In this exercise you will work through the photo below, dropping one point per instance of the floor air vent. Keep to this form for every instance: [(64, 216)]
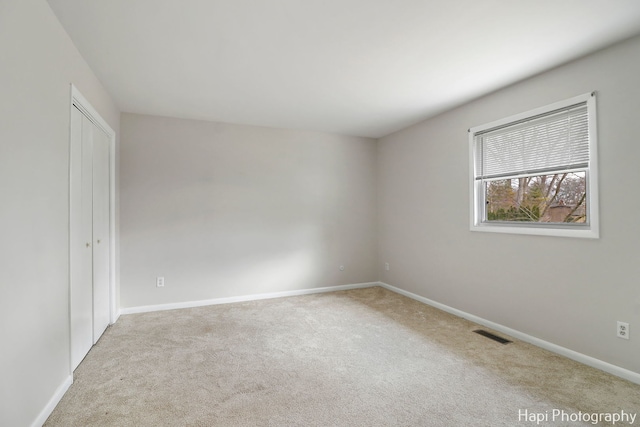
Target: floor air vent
[(492, 336)]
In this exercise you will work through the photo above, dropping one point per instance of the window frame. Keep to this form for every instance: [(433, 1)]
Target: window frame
[(477, 196)]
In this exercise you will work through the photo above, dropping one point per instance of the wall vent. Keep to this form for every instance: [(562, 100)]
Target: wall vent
[(492, 336)]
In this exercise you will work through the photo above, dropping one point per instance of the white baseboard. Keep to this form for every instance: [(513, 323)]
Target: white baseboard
[(563, 351), (216, 301), (117, 316), (53, 402)]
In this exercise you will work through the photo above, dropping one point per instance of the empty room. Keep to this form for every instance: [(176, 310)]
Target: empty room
[(319, 213)]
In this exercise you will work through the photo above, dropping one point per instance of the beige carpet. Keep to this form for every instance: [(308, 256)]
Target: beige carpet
[(366, 357)]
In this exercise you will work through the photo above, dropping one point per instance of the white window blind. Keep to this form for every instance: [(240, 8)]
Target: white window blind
[(558, 140)]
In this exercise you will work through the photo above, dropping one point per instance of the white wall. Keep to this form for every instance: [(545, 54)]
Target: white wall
[(225, 210), (566, 291), (38, 64)]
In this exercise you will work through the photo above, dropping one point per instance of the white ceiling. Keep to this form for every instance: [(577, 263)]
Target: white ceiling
[(355, 67)]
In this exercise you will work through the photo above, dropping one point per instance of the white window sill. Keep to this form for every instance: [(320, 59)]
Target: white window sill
[(582, 232)]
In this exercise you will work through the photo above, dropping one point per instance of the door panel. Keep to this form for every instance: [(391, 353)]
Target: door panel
[(100, 233), (81, 293)]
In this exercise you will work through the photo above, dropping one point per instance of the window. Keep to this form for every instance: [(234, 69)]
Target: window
[(536, 172)]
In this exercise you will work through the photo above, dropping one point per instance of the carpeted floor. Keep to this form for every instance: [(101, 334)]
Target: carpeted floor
[(365, 357)]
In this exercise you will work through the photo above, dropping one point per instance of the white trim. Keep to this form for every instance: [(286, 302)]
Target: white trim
[(538, 231), (87, 109), (592, 176), (254, 297), (632, 376), (591, 231), (79, 101), (53, 402)]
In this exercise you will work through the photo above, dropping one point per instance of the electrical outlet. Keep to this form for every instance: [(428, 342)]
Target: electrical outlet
[(623, 330), (160, 282), (386, 266)]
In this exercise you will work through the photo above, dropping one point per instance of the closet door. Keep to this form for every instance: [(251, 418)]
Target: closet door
[(100, 233), (81, 253), (89, 237)]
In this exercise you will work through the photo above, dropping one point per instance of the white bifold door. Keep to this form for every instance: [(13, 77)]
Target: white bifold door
[(89, 238)]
